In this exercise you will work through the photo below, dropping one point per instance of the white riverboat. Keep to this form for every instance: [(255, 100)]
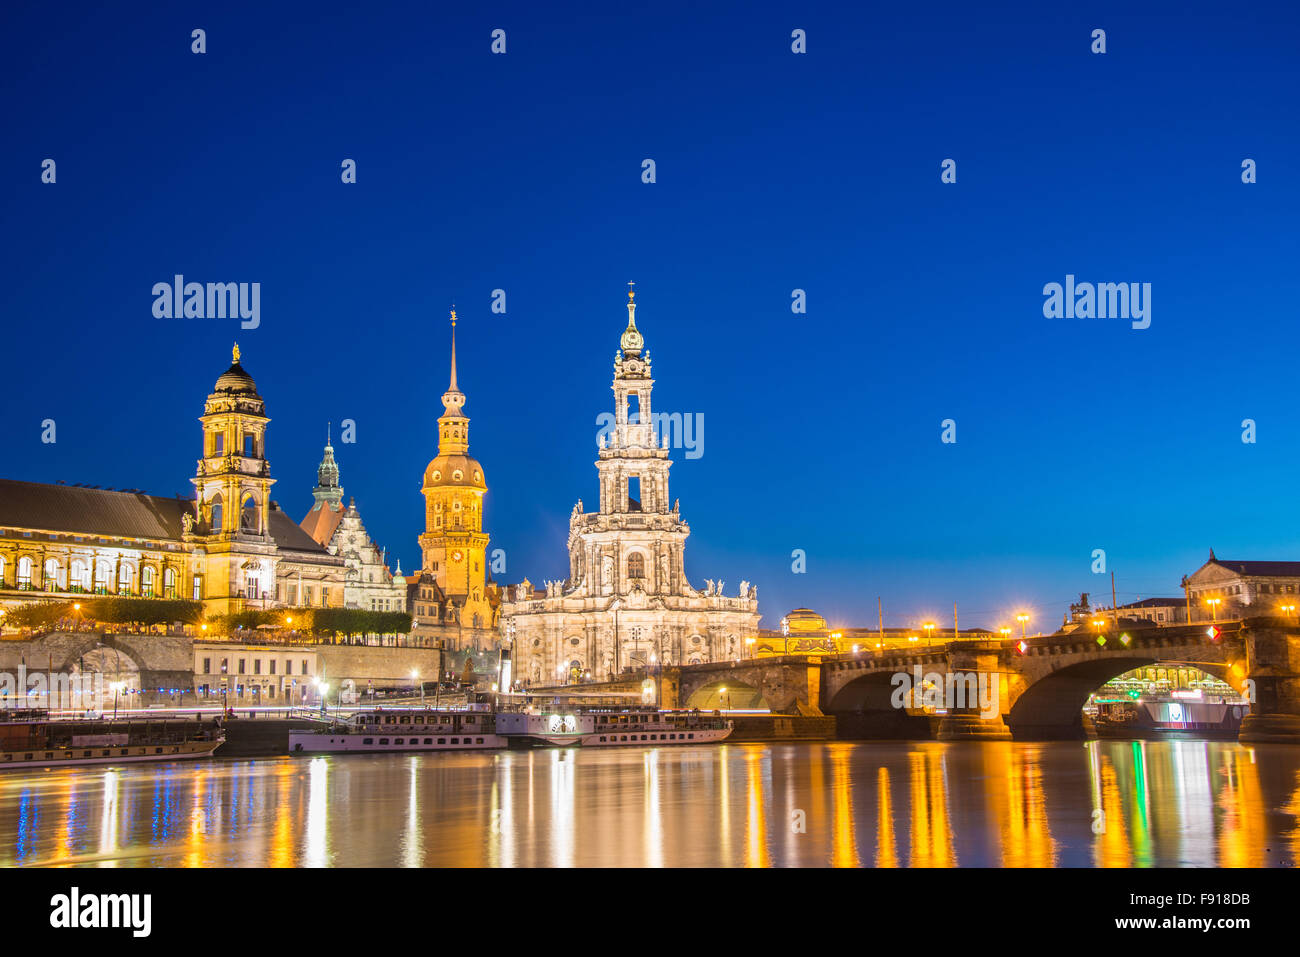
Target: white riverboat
[(417, 729), (600, 728)]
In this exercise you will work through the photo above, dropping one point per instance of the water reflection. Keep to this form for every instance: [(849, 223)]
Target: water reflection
[(842, 804)]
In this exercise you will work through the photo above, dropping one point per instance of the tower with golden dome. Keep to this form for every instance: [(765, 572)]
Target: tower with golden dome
[(453, 587)]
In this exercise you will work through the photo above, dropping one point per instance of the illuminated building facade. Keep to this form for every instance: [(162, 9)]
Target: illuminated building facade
[(627, 603), (230, 547)]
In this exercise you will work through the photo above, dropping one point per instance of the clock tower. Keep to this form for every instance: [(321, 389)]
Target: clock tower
[(454, 545)]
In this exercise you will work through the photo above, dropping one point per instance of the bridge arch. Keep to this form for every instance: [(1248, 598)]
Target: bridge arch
[(114, 659), (864, 708), (1051, 708), (738, 695)]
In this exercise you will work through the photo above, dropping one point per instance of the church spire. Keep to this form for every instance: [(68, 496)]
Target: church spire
[(453, 398), (631, 340), (328, 491)]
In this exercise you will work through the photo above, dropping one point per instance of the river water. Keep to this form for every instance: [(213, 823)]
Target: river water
[(885, 804)]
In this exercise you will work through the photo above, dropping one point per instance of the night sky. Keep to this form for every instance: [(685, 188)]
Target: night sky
[(775, 172)]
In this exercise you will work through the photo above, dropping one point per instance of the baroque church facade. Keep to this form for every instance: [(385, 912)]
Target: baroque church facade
[(627, 602)]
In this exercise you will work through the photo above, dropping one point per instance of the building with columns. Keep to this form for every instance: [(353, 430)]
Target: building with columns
[(627, 602), (368, 582), (451, 599), (230, 546)]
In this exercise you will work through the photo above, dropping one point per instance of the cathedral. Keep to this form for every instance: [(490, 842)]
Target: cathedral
[(627, 603), (451, 599)]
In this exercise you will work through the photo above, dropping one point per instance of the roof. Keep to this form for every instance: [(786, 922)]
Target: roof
[(91, 511), (289, 535), (1261, 568), (322, 521), (1155, 602), (109, 513)]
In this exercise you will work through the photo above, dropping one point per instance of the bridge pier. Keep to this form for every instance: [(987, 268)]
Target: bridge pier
[(969, 723), (1273, 656)]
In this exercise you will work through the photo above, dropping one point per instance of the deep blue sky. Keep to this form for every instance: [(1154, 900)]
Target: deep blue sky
[(775, 171)]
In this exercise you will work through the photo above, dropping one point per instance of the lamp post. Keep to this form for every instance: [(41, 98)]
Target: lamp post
[(722, 699), (1024, 620), (1214, 607), (415, 676), (929, 632)]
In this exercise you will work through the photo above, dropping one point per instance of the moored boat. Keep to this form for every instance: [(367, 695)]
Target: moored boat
[(34, 739), (387, 730), (599, 727)]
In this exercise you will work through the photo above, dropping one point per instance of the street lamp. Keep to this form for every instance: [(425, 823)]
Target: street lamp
[(929, 632), (415, 676), (750, 643), (1289, 609), (1214, 607), (722, 699), (1023, 619), (1005, 633)]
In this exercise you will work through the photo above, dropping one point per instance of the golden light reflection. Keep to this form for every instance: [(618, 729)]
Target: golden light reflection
[(931, 830), (886, 852), (755, 819), (844, 847), (1243, 813), (1111, 846), (1019, 806)]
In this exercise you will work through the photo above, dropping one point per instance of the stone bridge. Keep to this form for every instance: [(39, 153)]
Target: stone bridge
[(1042, 683)]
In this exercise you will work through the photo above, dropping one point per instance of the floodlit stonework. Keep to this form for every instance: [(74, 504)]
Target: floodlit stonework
[(627, 602)]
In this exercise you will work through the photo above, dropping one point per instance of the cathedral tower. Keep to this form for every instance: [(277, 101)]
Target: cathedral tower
[(454, 545)]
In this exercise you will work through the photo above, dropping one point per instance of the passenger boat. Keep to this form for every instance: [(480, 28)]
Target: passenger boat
[(1166, 716), (415, 729), (33, 738), (599, 728)]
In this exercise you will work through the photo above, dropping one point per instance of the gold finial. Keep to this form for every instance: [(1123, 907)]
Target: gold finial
[(453, 317), (235, 353), (630, 292)]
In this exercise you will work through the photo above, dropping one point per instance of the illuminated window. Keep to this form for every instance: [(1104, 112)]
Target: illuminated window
[(146, 581), (169, 583), (24, 572)]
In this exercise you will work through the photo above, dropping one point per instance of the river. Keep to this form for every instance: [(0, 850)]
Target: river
[(839, 803)]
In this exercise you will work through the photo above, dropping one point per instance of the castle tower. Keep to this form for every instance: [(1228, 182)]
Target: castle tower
[(454, 545), (328, 491), (236, 558)]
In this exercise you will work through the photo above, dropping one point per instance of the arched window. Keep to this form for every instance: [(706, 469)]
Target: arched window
[(146, 581), (51, 578), (214, 513), (248, 514), (103, 574), (80, 575), (2, 570), (636, 565), (169, 583), (125, 576), (24, 572)]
